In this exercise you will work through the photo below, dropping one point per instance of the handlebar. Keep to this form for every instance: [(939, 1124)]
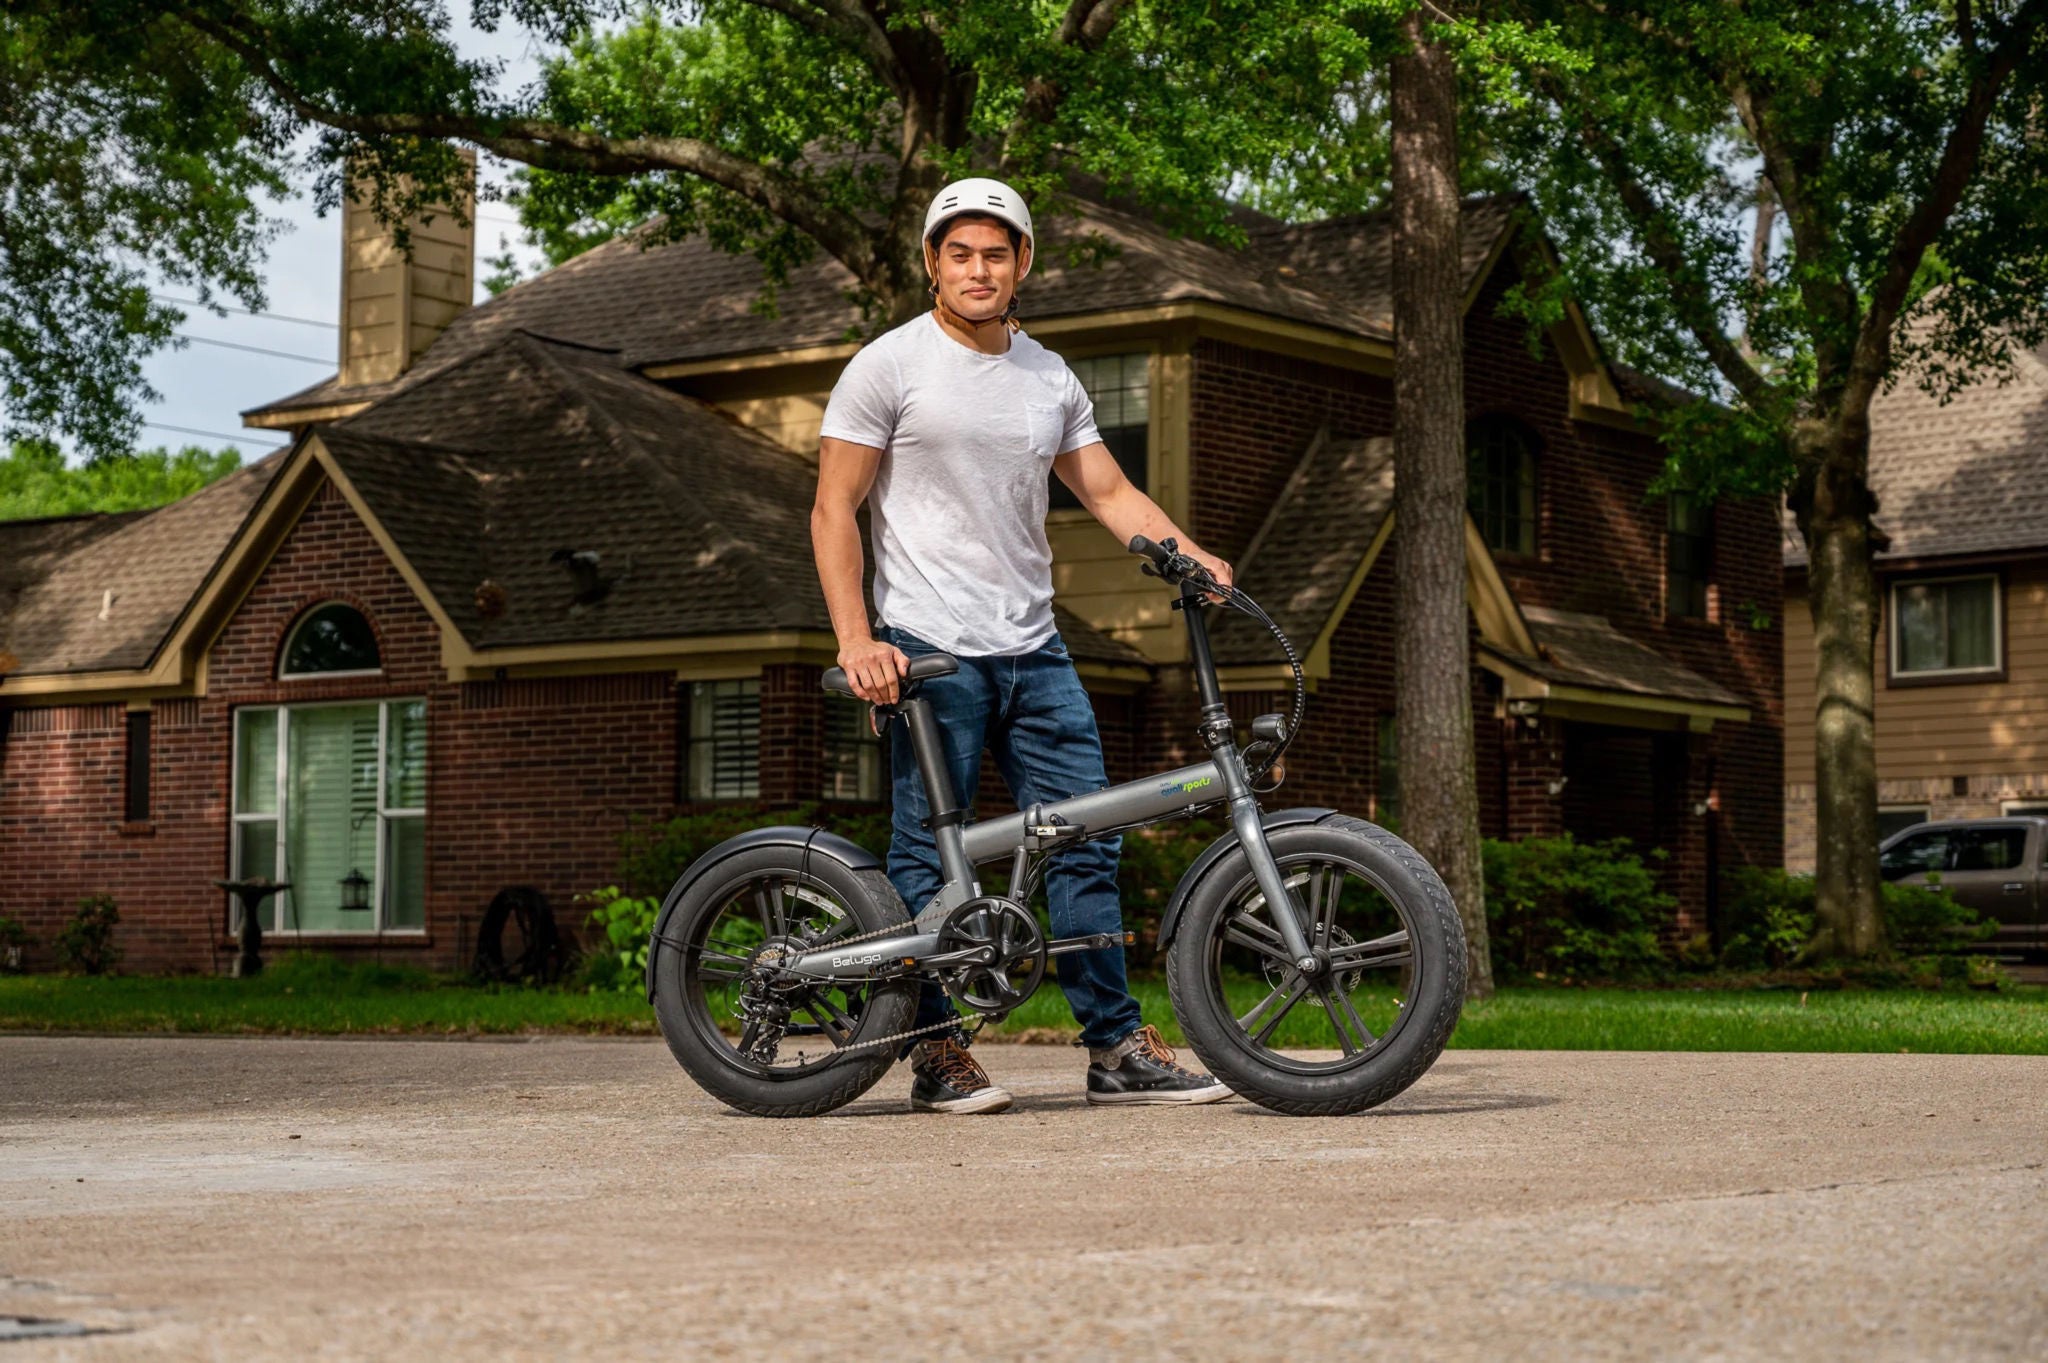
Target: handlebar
[(1168, 562)]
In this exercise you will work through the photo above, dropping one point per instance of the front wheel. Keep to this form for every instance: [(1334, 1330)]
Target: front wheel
[(1363, 1027)]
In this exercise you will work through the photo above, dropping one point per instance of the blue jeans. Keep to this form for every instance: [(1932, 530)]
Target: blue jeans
[(1032, 713)]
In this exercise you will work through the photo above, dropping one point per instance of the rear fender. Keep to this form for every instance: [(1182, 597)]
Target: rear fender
[(1216, 852), (816, 843)]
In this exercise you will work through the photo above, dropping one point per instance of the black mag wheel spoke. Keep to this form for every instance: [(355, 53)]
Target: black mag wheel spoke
[(1331, 881), (832, 1019), (1380, 952), (768, 902), (1332, 994), (1289, 992), (1268, 947), (839, 929)]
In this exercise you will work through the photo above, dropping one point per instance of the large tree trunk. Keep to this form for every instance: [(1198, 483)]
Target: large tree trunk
[(1842, 596), (1432, 648)]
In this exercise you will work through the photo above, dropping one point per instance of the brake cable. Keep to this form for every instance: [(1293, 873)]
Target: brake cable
[(1183, 567)]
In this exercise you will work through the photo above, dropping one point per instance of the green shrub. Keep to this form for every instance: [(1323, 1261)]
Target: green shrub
[(1557, 907), (14, 945), (1925, 920), (1151, 865), (1768, 918), (86, 943), (624, 923)]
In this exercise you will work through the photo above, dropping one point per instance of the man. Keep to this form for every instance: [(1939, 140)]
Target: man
[(945, 427)]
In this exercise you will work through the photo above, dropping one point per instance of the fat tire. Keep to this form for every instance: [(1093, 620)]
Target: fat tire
[(1437, 939), (874, 904)]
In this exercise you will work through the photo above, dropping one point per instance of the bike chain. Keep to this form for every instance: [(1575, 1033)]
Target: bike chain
[(894, 1037)]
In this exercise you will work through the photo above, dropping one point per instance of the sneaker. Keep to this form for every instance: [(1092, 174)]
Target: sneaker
[(1140, 1069), (948, 1079)]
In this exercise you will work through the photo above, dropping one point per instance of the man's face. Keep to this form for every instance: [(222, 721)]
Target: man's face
[(977, 268)]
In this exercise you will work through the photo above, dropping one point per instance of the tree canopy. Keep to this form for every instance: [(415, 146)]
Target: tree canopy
[(35, 481), (782, 128)]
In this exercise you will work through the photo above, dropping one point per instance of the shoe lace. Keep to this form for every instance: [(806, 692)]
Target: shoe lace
[(1153, 1047), (953, 1066)]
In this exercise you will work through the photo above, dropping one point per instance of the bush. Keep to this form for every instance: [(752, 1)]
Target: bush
[(14, 945), (86, 943), (625, 922), (1153, 861), (1768, 920), (1557, 907)]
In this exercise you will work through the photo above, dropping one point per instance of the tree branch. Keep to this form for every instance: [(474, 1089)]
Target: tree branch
[(1952, 175), (1085, 27), (1691, 291), (851, 27), (555, 146)]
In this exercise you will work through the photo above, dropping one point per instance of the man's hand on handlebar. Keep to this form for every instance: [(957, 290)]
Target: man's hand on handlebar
[(874, 670), (1174, 564), (1218, 569)]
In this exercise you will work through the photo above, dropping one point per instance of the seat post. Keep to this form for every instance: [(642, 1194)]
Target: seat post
[(929, 743)]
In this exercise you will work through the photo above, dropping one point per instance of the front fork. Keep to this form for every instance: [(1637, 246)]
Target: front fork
[(1244, 804)]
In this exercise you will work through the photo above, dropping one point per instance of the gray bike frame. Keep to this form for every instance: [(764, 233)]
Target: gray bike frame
[(1097, 814)]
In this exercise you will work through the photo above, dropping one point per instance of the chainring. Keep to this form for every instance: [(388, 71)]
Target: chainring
[(1008, 929)]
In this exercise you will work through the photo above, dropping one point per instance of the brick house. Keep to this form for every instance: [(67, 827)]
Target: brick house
[(1962, 646), (536, 566)]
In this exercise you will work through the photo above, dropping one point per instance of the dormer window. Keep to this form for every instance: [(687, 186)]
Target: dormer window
[(329, 641)]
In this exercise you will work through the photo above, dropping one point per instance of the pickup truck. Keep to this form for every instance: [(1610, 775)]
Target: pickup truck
[(1998, 867)]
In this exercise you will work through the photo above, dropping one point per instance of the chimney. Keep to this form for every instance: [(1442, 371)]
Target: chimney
[(392, 308)]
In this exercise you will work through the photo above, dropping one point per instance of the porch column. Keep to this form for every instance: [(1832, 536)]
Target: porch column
[(1685, 782)]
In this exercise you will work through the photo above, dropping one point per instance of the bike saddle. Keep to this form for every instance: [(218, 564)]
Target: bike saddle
[(922, 666)]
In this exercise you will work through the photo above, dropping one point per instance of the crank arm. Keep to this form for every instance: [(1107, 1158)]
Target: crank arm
[(1101, 941)]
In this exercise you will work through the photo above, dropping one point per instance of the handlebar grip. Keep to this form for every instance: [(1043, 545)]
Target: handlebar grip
[(1159, 555)]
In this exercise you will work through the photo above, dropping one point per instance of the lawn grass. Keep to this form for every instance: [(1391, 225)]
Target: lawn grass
[(311, 996)]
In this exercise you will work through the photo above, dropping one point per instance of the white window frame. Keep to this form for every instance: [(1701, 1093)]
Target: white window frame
[(281, 914), (1997, 664), (293, 637)]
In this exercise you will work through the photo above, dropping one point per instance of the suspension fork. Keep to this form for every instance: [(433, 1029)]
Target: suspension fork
[(1216, 733)]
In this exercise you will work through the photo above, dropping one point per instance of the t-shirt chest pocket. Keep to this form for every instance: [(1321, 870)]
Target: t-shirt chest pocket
[(1045, 422)]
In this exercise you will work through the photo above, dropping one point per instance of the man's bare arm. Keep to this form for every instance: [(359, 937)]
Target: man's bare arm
[(845, 473), (1099, 482)]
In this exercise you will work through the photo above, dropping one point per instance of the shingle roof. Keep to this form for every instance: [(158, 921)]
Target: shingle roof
[(1587, 651), (1970, 477), (689, 300), (56, 576), (1313, 540), (532, 448)]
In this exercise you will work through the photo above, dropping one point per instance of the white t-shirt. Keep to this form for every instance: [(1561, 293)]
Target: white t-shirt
[(957, 510)]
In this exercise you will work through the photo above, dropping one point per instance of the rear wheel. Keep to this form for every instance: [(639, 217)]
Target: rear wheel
[(1364, 1026), (776, 1050)]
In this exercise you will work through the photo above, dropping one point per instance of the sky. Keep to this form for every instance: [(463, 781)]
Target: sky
[(207, 384)]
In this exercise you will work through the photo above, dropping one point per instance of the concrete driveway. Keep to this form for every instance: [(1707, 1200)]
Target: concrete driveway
[(406, 1199)]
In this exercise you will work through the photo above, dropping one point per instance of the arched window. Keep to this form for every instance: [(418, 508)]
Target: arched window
[(329, 639), (1500, 456)]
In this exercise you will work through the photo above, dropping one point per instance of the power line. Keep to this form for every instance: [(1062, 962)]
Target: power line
[(258, 350), (218, 435), (267, 316)]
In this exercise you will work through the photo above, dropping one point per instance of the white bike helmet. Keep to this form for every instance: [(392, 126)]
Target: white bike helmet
[(979, 195)]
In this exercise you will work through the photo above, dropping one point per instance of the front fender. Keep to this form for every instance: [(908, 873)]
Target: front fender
[(819, 842), (1216, 851)]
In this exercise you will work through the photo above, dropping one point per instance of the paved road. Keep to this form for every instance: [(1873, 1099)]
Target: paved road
[(365, 1199)]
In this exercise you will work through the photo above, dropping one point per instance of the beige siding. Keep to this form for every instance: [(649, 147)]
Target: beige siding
[(1964, 729), (392, 308)]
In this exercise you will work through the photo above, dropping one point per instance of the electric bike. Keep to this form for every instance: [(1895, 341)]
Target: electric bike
[(1314, 960)]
